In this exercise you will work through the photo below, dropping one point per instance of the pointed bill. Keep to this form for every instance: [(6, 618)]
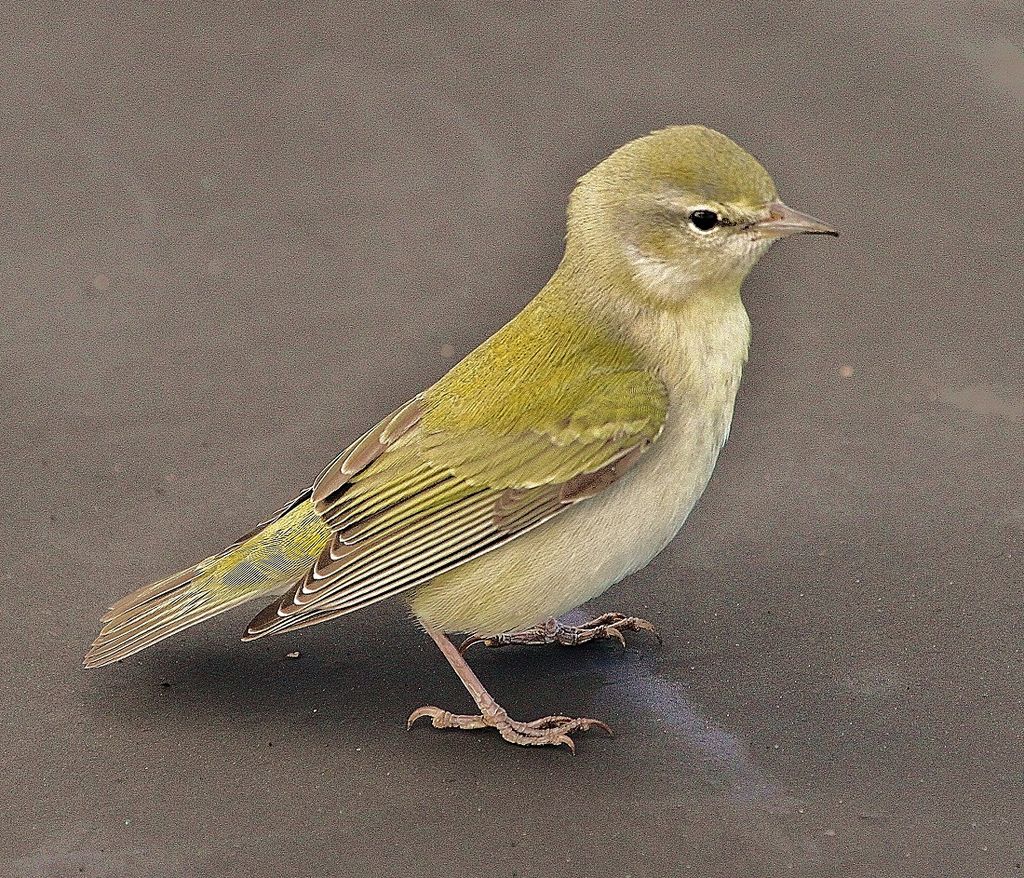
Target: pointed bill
[(782, 221)]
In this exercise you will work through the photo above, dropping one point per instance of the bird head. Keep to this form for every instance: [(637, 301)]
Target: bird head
[(681, 209)]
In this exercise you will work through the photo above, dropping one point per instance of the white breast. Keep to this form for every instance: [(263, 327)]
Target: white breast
[(639, 516)]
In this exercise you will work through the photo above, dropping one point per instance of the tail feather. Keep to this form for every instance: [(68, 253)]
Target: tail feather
[(265, 562), (133, 631), (150, 594)]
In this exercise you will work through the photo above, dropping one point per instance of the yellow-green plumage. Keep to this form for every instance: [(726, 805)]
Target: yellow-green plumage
[(582, 394), (254, 567), (556, 458)]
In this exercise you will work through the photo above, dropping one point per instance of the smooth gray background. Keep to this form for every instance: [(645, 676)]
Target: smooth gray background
[(232, 240)]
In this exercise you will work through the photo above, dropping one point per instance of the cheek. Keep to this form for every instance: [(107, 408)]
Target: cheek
[(746, 249)]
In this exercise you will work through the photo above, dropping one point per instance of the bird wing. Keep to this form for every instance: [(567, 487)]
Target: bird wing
[(413, 497)]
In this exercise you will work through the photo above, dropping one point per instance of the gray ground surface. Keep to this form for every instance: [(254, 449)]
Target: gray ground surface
[(232, 241)]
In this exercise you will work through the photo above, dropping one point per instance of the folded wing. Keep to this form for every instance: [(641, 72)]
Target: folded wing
[(438, 483)]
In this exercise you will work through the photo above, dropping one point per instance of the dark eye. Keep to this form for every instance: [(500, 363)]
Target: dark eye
[(704, 220)]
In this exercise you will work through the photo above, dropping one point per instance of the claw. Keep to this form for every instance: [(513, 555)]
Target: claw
[(420, 712), (472, 641), (618, 635)]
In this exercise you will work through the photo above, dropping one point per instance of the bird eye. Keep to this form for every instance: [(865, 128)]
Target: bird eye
[(704, 220)]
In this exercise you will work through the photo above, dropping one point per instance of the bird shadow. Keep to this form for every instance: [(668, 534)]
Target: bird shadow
[(353, 675), (357, 683)]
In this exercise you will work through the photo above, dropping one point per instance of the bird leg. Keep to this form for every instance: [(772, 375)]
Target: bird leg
[(547, 730), (606, 626)]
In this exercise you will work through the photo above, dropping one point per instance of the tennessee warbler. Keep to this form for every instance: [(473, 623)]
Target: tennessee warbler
[(558, 457)]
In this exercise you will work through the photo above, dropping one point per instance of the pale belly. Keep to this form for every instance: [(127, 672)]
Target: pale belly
[(588, 548)]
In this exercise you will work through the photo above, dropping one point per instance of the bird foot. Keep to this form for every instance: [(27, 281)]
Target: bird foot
[(549, 730), (604, 627)]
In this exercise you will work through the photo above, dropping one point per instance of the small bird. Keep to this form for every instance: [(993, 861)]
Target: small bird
[(558, 457)]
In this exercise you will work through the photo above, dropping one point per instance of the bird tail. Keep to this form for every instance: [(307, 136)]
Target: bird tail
[(268, 560)]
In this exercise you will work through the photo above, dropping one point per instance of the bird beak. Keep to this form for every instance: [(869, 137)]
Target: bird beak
[(782, 221)]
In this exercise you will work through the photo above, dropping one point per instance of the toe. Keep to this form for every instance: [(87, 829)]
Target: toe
[(604, 619), (546, 722)]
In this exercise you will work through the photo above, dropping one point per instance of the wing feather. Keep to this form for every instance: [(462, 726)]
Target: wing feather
[(409, 501)]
